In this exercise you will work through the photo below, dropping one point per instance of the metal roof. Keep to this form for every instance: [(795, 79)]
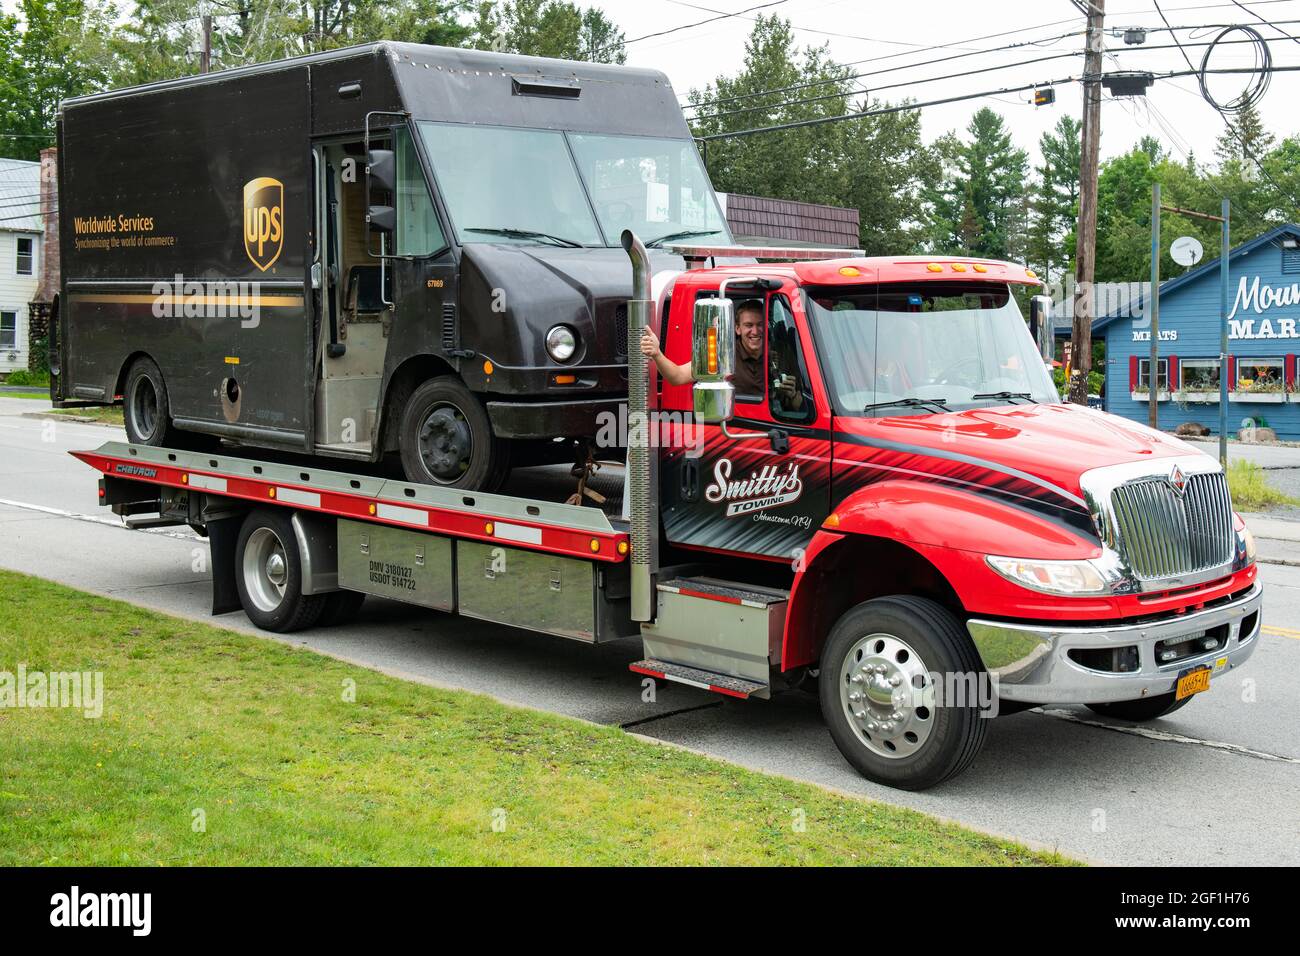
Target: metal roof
[(20, 192)]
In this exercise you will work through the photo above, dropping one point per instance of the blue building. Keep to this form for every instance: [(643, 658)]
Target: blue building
[(1263, 340)]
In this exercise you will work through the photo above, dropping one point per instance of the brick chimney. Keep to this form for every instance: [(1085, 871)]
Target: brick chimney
[(49, 258)]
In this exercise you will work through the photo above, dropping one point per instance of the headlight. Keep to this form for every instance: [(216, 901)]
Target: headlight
[(1248, 540), (1051, 577), (561, 343)]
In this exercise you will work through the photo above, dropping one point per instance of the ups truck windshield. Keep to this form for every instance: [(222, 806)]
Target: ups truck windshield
[(575, 189), (921, 348)]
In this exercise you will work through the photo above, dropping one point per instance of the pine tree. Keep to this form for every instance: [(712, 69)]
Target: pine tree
[(975, 209)]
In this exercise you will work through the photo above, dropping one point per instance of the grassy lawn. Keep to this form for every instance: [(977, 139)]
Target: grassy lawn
[(1250, 488), (44, 396), (106, 414), (260, 737)]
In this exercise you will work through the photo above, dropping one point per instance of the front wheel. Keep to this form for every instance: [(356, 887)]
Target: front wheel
[(445, 438), (1138, 711), (900, 689)]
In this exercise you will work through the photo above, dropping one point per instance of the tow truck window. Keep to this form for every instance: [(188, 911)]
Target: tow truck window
[(921, 348), (505, 185), (418, 232), (655, 187), (788, 393)]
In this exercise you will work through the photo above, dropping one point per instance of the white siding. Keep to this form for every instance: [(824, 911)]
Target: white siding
[(16, 292)]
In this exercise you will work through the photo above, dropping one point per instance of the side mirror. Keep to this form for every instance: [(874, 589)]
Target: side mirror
[(381, 176), (713, 359), (381, 169), (382, 218), (1041, 327)]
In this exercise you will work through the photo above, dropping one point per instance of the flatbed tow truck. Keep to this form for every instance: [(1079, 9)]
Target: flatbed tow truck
[(907, 522)]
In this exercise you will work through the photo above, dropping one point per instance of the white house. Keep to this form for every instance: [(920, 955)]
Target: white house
[(20, 256)]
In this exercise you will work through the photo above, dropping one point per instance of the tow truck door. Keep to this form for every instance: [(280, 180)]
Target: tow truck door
[(762, 486)]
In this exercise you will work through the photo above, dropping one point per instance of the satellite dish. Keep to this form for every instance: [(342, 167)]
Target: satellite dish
[(1186, 250)]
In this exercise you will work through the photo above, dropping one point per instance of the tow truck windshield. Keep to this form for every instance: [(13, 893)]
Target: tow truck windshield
[(922, 348)]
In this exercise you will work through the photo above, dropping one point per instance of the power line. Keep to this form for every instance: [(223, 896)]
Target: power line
[(905, 107), (688, 26), (1266, 21)]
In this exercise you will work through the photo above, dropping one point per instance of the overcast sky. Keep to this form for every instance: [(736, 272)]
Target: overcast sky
[(859, 30)]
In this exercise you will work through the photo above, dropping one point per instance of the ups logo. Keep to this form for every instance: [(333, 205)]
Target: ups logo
[(263, 220)]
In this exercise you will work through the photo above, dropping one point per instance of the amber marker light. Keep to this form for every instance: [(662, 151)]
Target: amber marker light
[(487, 367), (981, 268), (371, 509), (185, 479), (935, 267), (622, 547), (713, 351), (958, 267), (595, 545), (489, 528), (270, 492), (832, 521), (850, 271)]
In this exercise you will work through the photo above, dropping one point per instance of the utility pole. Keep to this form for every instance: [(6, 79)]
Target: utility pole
[(205, 56), (1086, 249), (1153, 313)]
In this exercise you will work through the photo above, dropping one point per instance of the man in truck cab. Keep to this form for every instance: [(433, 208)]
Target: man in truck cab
[(751, 332)]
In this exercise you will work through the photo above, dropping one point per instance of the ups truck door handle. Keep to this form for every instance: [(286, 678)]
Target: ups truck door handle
[(690, 479)]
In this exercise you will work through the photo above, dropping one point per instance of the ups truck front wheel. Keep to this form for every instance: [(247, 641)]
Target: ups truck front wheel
[(446, 438), (887, 697), (146, 413), (268, 575)]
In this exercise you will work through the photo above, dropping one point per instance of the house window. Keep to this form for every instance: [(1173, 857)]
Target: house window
[(1144, 375), (8, 330), (1199, 375), (26, 255), (1260, 374)]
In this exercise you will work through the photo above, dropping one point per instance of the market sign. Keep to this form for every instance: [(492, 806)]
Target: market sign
[(1256, 298)]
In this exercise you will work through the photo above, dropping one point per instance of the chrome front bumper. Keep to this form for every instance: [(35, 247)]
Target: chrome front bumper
[(1032, 662)]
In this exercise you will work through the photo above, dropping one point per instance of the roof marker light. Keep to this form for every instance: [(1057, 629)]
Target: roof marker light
[(850, 271), (958, 267), (935, 267), (980, 268)]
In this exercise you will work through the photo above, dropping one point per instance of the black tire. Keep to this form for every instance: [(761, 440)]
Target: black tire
[(445, 438), (911, 638), (268, 574), (1138, 711), (146, 412), (340, 607)]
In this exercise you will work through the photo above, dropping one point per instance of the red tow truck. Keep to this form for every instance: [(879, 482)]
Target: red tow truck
[(901, 516)]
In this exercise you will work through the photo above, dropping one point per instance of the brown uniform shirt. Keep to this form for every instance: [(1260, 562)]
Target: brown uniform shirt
[(748, 378)]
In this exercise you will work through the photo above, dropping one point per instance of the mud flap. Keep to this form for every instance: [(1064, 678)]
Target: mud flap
[(223, 536)]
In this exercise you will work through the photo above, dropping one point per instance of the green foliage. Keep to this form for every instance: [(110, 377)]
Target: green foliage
[(49, 50), (875, 164), (554, 28), (979, 206), (1054, 208), (24, 377), (1250, 490)]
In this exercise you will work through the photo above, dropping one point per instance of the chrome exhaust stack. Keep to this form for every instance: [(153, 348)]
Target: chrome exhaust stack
[(642, 464)]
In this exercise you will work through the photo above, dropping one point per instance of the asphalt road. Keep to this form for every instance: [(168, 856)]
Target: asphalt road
[(1215, 783)]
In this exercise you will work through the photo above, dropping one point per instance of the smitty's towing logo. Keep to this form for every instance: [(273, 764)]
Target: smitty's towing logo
[(766, 488)]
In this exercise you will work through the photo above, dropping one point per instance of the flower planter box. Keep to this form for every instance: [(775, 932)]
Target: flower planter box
[(1257, 398), (1146, 396), (1197, 398)]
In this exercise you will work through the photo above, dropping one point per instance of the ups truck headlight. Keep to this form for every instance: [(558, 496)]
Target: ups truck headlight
[(561, 343), (1051, 577)]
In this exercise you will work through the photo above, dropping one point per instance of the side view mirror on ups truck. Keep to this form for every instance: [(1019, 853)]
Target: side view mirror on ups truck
[(389, 250)]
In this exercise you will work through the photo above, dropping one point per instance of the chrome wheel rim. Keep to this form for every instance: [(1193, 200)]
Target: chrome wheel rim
[(446, 443), (266, 569), (888, 696)]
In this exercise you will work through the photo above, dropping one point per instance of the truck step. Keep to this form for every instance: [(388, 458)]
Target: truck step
[(694, 677)]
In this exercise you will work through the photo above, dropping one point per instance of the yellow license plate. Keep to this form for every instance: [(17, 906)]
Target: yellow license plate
[(1193, 682)]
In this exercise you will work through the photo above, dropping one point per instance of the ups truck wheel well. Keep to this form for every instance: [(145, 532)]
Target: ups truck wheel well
[(119, 385), (859, 568), (406, 378)]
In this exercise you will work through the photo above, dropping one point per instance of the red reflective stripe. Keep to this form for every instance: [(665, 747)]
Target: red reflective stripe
[(709, 597), (647, 671), (728, 692)]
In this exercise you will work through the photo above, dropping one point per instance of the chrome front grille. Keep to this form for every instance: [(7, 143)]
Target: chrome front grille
[(1161, 534)]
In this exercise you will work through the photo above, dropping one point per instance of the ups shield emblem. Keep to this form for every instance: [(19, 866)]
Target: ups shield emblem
[(263, 221)]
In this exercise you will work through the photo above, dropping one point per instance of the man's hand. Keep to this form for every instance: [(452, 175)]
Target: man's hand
[(649, 344)]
